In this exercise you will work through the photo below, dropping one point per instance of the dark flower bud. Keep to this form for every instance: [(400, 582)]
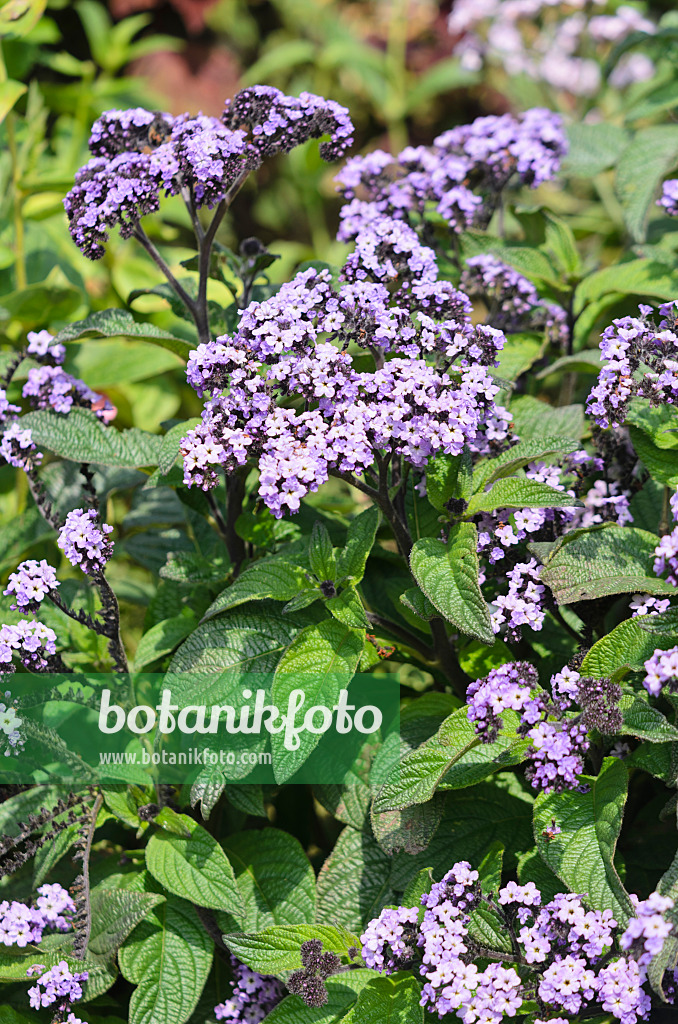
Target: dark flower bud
[(148, 812), (328, 588), (599, 699), (330, 963), (314, 992), (311, 954)]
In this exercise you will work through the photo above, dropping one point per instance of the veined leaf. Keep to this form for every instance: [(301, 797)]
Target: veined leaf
[(352, 558), (353, 884), (275, 878), (518, 456), (268, 578), (277, 949), (513, 492), (119, 323), (81, 437)]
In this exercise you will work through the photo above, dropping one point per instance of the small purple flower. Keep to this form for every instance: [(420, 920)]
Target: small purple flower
[(31, 583), (83, 541)]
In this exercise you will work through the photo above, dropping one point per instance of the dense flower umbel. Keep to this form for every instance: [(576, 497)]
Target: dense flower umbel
[(29, 641), (21, 924), (50, 387), (573, 957), (559, 736), (31, 583), (57, 987), (460, 176), (641, 363), (83, 540), (138, 154), (404, 407), (252, 998), (17, 447)]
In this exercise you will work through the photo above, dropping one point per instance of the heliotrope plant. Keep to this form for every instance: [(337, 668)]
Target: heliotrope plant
[(375, 484)]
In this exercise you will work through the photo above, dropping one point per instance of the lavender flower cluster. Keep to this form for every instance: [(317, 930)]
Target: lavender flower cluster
[(32, 642), (252, 998), (30, 584), (58, 987), (21, 924), (83, 539), (137, 154), (461, 176), (513, 303), (404, 408), (641, 363), (666, 552), (557, 723), (550, 42), (572, 957)]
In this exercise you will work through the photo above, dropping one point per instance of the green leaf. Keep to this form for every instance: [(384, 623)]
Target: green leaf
[(277, 949), (348, 608), (115, 913), (410, 829), (81, 437), (420, 884), (322, 659), (519, 493), (448, 476), (169, 450), (520, 455), (630, 643), (393, 1000), (661, 462), (534, 419), (417, 603), (637, 181), (275, 878), (19, 17), (663, 98), (207, 788), (191, 567), (593, 148), (636, 277), (195, 868), (321, 553), (360, 537), (452, 759), (588, 361), (268, 578), (10, 92), (119, 323), (353, 884), (532, 262), (448, 576), (560, 241), (601, 560), (520, 352), (168, 957), (582, 854), (645, 722), (162, 638), (342, 990)]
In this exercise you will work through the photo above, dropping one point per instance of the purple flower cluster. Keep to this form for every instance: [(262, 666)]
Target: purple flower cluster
[(30, 584), (661, 670), (41, 347), (253, 996), (574, 956), (405, 407), (83, 540), (641, 363), (669, 197), (277, 123), (6, 407), (50, 387), (524, 604), (21, 924), (58, 985), (30, 641), (558, 740), (512, 301), (461, 175), (666, 552), (137, 154), (17, 447)]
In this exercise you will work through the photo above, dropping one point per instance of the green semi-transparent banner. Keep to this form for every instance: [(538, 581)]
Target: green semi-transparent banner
[(82, 729)]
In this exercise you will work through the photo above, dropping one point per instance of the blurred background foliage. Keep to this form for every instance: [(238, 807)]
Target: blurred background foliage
[(399, 70)]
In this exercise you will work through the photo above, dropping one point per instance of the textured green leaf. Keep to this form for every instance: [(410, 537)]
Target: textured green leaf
[(207, 788), (519, 353), (119, 323), (587, 361), (661, 462), (518, 456), (353, 884), (582, 854), (162, 638), (448, 576), (10, 92), (168, 957), (637, 277), (534, 419), (277, 949), (342, 990), (448, 476), (275, 878), (348, 608), (81, 437), (393, 1000), (322, 659), (269, 578), (169, 450), (636, 181), (602, 560), (360, 536), (452, 759), (195, 868), (410, 829), (593, 148), (519, 493), (320, 552), (645, 722), (191, 567), (417, 603), (115, 913)]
